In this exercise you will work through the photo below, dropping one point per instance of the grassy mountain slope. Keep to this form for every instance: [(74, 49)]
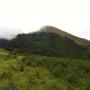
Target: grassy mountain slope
[(43, 73), (63, 34), (49, 42)]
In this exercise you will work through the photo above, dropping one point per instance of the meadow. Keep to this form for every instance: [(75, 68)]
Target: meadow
[(35, 72)]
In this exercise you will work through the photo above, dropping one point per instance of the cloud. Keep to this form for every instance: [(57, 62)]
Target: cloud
[(72, 16), (8, 32)]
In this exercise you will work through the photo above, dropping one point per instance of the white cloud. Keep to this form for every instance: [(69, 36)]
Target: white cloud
[(28, 15)]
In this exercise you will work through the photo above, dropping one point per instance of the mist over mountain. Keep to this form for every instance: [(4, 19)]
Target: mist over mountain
[(9, 33)]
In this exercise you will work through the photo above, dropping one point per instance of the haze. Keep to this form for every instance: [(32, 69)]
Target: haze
[(17, 16)]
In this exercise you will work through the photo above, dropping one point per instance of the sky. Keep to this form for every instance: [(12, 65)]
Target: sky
[(23, 16)]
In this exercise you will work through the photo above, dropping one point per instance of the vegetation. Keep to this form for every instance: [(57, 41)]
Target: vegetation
[(46, 60), (49, 41), (43, 73), (77, 40), (48, 44)]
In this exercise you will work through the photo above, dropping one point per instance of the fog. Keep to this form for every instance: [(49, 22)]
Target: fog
[(9, 32), (72, 16)]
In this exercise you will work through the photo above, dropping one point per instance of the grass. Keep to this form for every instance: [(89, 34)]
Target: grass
[(43, 73)]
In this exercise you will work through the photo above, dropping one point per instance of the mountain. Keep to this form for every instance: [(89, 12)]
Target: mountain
[(50, 41), (64, 34), (59, 64)]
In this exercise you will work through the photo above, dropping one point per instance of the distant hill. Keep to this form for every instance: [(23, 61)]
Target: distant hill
[(50, 41)]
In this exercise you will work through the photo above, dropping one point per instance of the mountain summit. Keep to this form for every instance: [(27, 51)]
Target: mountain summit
[(64, 34)]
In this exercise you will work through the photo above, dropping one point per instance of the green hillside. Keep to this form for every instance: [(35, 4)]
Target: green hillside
[(48, 41), (48, 44), (77, 40), (63, 34), (43, 73)]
